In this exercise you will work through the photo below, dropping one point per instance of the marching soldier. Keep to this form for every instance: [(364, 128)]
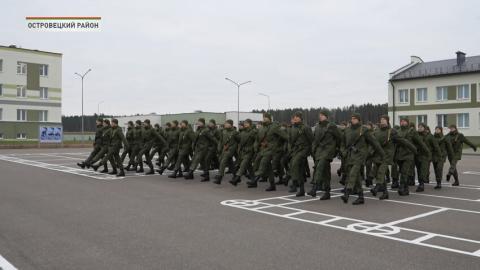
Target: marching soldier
[(245, 152), (227, 147), (137, 147), (160, 146), (326, 142), (300, 140), (439, 160), (149, 138), (185, 140), (424, 157), (97, 145), (113, 154), (173, 136), (203, 139), (457, 140), (106, 136), (356, 140), (128, 150)]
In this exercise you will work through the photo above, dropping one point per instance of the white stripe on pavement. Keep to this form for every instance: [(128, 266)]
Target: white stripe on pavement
[(5, 265)]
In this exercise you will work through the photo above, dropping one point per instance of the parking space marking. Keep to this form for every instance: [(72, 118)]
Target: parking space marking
[(438, 196), (472, 172), (284, 207), (5, 265)]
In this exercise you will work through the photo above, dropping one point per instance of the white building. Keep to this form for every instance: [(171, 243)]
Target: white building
[(30, 92), (438, 93)]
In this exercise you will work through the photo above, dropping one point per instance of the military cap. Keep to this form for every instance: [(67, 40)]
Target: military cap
[(405, 119), (230, 121), (357, 116), (130, 122), (213, 121), (114, 120), (147, 121), (138, 122), (168, 124), (185, 122), (298, 114), (175, 122), (202, 120), (106, 121), (267, 115), (325, 113), (386, 117), (248, 120), (453, 126), (157, 125), (423, 125)]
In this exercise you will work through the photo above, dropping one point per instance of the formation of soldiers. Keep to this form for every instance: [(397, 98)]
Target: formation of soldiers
[(279, 154)]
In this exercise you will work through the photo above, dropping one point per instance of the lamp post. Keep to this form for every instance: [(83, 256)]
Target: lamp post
[(82, 77), (238, 96), (268, 98), (98, 106)]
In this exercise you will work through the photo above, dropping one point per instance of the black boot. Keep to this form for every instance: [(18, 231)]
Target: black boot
[(326, 195), (114, 172), (206, 177), (375, 190), (368, 182), (105, 169), (81, 165), (189, 175), (218, 179), (235, 180), (403, 190), (173, 174), (280, 180), (161, 170), (313, 191), (121, 173), (301, 190), (455, 176), (448, 177), (360, 199), (95, 167), (253, 182), (395, 184), (420, 187), (141, 168), (271, 187), (180, 173), (345, 196), (439, 185), (384, 194)]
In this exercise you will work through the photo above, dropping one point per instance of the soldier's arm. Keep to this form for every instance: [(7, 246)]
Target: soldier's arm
[(404, 142), (122, 137), (417, 141), (374, 143), (219, 145), (314, 140), (448, 143), (436, 146), (469, 143), (309, 134), (159, 136)]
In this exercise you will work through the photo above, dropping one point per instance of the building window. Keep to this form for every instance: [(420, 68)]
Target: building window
[(43, 92), (463, 120), (442, 120), (442, 93), (421, 94), (43, 116), (403, 93), (1, 65), (21, 115), (21, 68), (463, 92), (422, 119), (21, 91), (43, 70), (21, 135)]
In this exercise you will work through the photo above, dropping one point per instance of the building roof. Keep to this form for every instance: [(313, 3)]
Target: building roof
[(438, 68), (15, 48)]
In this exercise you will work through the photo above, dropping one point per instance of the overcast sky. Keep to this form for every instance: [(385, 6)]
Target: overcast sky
[(172, 56)]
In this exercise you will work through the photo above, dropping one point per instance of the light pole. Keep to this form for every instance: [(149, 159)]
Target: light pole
[(98, 106), (268, 98), (238, 96), (82, 77)]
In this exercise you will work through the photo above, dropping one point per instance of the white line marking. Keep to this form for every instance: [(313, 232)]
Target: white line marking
[(438, 196), (5, 265), (423, 238), (472, 172), (416, 217)]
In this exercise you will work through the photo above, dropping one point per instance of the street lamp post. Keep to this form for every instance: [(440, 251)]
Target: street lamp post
[(82, 77), (268, 98), (98, 106), (238, 96)]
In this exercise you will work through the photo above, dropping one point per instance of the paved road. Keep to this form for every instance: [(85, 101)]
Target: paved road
[(58, 220)]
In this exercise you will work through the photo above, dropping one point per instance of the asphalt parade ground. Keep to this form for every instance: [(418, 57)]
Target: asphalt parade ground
[(54, 215)]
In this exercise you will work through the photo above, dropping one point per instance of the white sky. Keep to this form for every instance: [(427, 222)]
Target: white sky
[(172, 56)]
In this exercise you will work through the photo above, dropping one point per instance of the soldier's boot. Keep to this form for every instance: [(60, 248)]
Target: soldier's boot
[(360, 199), (128, 166), (343, 180), (161, 170), (285, 180), (339, 172), (387, 178), (375, 189), (313, 191), (235, 180), (403, 190), (368, 182), (293, 187), (384, 195), (141, 168), (455, 176), (206, 177), (218, 179), (81, 165), (121, 173), (326, 195), (449, 175), (280, 180), (395, 183), (253, 182), (272, 187), (421, 187), (105, 168), (174, 174), (171, 167), (301, 190), (114, 172), (346, 195), (439, 185), (189, 175), (95, 167)]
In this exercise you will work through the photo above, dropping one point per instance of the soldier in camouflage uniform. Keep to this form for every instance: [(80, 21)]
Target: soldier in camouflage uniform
[(203, 139), (149, 138), (439, 160), (300, 139), (457, 140), (227, 146), (341, 171), (173, 136), (355, 144), (185, 141), (106, 136), (97, 145), (325, 145), (265, 144), (245, 151), (424, 159), (137, 147), (160, 146), (113, 154), (128, 150)]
